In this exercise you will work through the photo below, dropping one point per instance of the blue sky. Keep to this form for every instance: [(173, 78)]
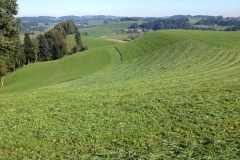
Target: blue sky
[(143, 8)]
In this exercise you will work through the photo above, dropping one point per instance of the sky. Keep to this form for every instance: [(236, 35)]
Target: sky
[(138, 8)]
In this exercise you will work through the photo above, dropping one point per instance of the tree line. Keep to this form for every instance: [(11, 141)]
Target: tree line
[(183, 22), (159, 24), (232, 24)]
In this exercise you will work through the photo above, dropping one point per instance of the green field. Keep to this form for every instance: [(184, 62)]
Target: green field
[(109, 29), (171, 94)]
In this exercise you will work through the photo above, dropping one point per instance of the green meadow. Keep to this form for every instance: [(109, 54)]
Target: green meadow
[(110, 29), (170, 94)]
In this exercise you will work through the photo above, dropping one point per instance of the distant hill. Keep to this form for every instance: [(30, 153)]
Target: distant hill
[(49, 19), (202, 22), (42, 23)]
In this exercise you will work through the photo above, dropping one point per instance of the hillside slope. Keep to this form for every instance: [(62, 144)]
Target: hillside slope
[(77, 66), (169, 95), (66, 69)]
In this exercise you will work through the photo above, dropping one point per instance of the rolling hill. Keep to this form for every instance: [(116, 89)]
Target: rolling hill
[(171, 94)]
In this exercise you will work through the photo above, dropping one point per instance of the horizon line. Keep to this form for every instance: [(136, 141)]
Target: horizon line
[(127, 16)]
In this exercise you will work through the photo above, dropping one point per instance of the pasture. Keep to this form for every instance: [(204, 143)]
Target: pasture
[(109, 30), (171, 94)]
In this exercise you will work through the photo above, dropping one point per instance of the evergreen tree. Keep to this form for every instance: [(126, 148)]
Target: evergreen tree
[(19, 58), (28, 49), (34, 50), (57, 45), (44, 53)]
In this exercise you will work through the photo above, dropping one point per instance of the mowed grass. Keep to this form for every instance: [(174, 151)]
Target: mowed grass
[(90, 42), (169, 95), (95, 42)]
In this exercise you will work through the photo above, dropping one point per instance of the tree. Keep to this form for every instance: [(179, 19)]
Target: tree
[(31, 49), (27, 48), (19, 56), (34, 50), (3, 70), (78, 41), (9, 32), (44, 53)]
